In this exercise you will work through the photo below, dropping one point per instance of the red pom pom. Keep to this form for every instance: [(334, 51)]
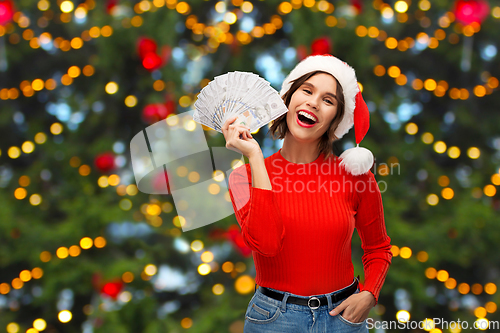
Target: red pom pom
[(321, 46), (6, 11), (472, 11), (105, 162)]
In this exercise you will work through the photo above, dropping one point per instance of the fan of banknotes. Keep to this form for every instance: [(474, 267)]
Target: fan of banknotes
[(244, 94)]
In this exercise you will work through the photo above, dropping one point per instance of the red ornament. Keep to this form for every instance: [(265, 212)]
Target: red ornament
[(105, 162), (321, 46), (145, 46), (152, 61), (357, 5), (110, 5), (234, 234), (6, 11), (153, 113), (471, 11), (112, 289)]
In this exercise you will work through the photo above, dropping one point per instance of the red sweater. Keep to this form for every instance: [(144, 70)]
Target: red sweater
[(300, 231)]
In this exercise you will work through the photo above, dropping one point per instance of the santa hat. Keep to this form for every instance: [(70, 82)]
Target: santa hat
[(357, 160)]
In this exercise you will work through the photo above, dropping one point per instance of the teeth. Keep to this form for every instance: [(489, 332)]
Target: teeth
[(307, 115)]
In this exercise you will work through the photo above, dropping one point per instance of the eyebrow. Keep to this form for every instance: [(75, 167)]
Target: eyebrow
[(312, 86)]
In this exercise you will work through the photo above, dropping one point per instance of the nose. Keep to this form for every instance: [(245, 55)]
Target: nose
[(312, 102)]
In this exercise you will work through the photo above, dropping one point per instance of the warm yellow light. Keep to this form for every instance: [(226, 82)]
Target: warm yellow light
[(111, 88), (285, 7), (12, 327), (39, 324), (387, 12), (182, 8), (244, 284), (424, 5), (432, 199), (179, 221), (220, 7), (473, 153), (411, 128), (35, 199), (417, 84), (186, 323), (480, 312), (489, 190), (106, 31), (113, 180), (128, 277), (207, 256), (395, 250), (153, 210), (86, 243), (28, 147), (442, 275), (45, 256), (88, 70), (65, 316), (43, 5), (431, 273), (37, 273), (14, 152), (463, 288), (402, 316), (20, 193), (150, 270), (393, 71), (80, 13), (37, 84), (25, 275), (230, 18), (401, 6), (218, 289), (451, 283), (67, 6), (405, 252), (482, 324), (490, 288), (213, 189), (197, 245), (74, 71), (491, 307), (454, 152), (74, 251), (204, 269), (100, 242), (56, 128), (440, 147), (447, 193), (422, 256), (246, 7), (62, 252)]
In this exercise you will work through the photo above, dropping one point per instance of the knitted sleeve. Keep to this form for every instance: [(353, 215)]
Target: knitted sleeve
[(257, 213), (371, 229)]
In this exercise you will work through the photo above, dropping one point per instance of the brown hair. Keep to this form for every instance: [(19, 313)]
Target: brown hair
[(279, 127)]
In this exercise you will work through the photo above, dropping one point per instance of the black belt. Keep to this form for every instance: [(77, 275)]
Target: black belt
[(313, 302)]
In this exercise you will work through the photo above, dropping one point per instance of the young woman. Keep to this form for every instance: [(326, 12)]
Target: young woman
[(298, 208)]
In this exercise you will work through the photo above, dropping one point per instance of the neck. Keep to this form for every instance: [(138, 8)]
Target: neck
[(299, 152)]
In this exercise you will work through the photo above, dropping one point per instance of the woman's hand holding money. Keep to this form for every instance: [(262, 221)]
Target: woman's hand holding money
[(239, 138)]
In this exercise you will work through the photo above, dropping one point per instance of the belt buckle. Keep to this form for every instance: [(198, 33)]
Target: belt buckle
[(309, 303)]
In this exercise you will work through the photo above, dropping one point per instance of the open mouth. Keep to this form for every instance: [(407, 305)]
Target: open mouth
[(306, 119)]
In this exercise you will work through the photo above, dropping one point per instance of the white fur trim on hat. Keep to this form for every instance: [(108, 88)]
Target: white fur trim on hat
[(344, 73)]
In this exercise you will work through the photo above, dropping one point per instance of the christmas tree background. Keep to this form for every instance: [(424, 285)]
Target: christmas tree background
[(82, 250)]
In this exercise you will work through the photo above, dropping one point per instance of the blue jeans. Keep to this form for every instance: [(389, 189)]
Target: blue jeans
[(267, 315)]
